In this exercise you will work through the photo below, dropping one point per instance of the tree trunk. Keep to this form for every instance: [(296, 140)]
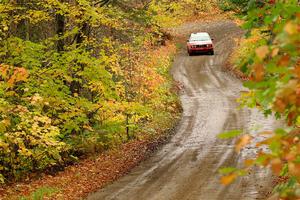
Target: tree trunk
[(60, 29), (23, 25), (84, 32)]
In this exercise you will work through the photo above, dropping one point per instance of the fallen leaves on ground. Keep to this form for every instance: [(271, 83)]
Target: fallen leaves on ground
[(89, 175)]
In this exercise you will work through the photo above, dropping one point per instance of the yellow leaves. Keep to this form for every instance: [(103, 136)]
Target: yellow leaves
[(3, 145), (298, 121), (43, 119), (242, 142), (96, 86), (4, 70), (36, 16), (36, 99), (5, 28), (21, 109), (24, 152), (53, 74), (226, 180), (262, 52), (4, 124), (87, 127)]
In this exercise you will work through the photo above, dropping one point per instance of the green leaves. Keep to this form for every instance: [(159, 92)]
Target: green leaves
[(230, 174), (76, 75), (230, 134), (227, 170), (273, 69)]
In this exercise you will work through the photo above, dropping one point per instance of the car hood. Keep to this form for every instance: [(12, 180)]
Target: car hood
[(200, 42)]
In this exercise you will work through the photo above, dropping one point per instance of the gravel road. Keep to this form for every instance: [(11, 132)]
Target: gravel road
[(187, 167)]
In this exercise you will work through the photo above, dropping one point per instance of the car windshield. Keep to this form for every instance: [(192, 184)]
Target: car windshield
[(199, 38)]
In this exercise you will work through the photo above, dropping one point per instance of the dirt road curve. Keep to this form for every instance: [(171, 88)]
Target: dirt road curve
[(187, 167)]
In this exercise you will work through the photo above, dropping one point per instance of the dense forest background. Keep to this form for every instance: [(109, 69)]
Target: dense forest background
[(82, 76)]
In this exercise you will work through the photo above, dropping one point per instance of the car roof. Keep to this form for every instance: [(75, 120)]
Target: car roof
[(199, 34)]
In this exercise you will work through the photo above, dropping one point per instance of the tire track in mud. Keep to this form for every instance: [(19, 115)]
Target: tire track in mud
[(187, 167)]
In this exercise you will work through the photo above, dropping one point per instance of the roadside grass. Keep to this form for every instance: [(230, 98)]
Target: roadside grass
[(225, 5), (40, 194), (179, 45)]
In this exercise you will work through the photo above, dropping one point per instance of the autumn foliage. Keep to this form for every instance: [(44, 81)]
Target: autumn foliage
[(273, 66), (79, 77), (83, 76)]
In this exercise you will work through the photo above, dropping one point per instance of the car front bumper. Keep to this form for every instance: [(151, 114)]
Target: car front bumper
[(203, 49)]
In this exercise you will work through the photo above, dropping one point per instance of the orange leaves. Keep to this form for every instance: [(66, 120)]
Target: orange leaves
[(231, 174), (147, 74), (275, 52), (285, 151), (287, 95), (291, 152), (13, 75), (249, 162), (226, 180), (20, 74), (291, 28), (279, 105), (276, 166), (291, 156), (284, 61), (262, 52), (259, 72), (291, 117), (274, 66), (242, 142), (294, 169), (297, 71)]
